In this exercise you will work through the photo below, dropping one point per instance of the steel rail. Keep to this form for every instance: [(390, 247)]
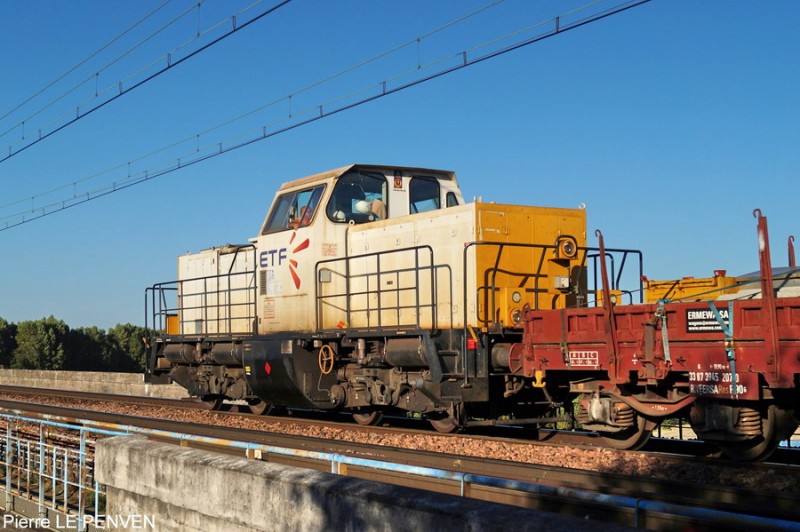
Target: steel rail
[(676, 449), (670, 450)]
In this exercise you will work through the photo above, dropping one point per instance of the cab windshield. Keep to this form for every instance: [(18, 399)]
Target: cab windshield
[(294, 210), (358, 197)]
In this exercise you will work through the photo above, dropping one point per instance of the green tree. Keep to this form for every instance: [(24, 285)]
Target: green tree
[(89, 349), (129, 353), (8, 342), (41, 344)]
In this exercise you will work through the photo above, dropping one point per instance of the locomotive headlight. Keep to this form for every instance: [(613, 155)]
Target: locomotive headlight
[(516, 297), (516, 316), (566, 248)]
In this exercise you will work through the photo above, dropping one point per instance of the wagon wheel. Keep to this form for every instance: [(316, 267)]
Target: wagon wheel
[(777, 424), (260, 408), (368, 416), (211, 402), (630, 439), (444, 423)]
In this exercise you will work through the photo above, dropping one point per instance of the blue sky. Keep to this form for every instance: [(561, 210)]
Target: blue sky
[(671, 122)]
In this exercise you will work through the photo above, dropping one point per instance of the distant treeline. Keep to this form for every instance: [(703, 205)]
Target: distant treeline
[(50, 344)]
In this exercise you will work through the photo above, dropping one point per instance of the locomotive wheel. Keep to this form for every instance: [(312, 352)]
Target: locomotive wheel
[(368, 417), (211, 402), (631, 439), (777, 424), (260, 408)]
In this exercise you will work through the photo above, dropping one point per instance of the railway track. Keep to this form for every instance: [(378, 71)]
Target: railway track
[(670, 450), (662, 445), (757, 502)]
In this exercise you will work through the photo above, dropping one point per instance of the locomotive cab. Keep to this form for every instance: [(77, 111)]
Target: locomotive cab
[(313, 219), (358, 194)]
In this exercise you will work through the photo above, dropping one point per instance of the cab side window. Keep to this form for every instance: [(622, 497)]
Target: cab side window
[(294, 210), (358, 197), (451, 199), (424, 194)]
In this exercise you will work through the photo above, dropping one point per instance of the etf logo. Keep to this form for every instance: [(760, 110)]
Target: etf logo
[(272, 258)]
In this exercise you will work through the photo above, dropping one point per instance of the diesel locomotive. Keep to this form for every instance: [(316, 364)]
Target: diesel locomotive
[(376, 289)]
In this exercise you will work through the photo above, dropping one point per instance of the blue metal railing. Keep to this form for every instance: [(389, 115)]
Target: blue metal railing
[(65, 488)]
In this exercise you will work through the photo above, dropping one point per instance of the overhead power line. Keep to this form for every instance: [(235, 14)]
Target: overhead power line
[(550, 28), (21, 125), (120, 90), (83, 62)]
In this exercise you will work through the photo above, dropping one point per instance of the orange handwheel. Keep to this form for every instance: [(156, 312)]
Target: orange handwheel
[(326, 359)]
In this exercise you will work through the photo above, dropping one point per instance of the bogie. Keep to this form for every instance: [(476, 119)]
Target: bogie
[(744, 432)]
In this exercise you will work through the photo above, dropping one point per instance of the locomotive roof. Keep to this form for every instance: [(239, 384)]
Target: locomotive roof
[(336, 172)]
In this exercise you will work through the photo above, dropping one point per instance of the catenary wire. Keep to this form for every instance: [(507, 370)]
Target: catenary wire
[(121, 92), (415, 40), (83, 62), (95, 75), (147, 175)]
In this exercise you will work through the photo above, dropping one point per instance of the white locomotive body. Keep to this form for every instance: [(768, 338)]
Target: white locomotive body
[(361, 247)]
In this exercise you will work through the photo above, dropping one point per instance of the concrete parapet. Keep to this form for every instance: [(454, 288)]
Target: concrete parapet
[(90, 381), (189, 489)]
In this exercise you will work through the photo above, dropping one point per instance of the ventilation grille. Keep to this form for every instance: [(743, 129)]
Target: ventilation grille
[(262, 282)]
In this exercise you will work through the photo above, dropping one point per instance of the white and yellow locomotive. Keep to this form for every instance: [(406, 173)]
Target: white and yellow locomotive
[(371, 288)]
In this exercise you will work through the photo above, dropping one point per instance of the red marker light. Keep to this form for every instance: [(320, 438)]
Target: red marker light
[(472, 344), (267, 368)]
